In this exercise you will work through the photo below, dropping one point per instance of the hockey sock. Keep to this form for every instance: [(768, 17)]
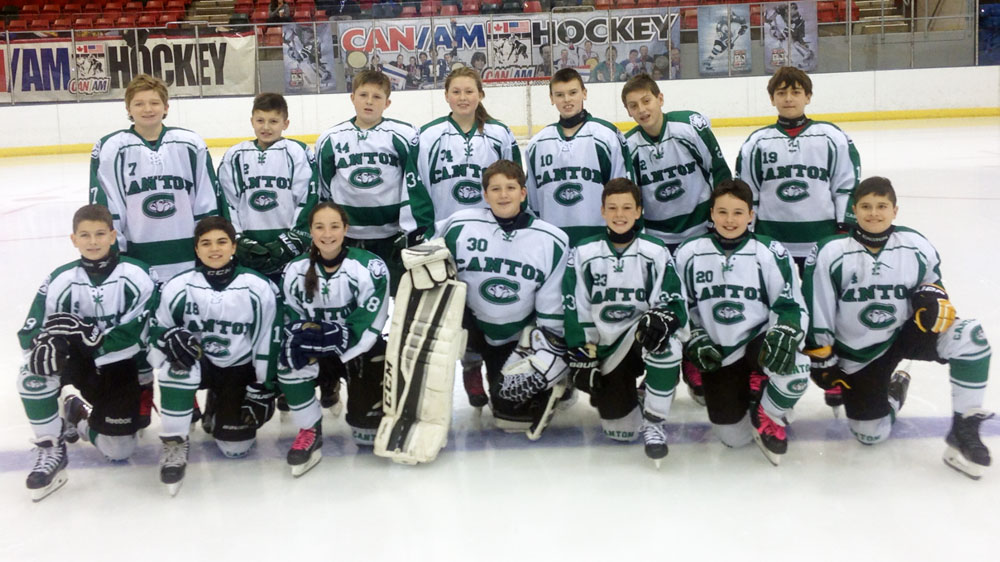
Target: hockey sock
[(303, 408), (968, 383), (176, 409), (661, 382)]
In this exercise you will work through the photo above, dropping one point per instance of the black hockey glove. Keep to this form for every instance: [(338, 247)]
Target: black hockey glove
[(307, 341), (258, 404), (85, 337), (778, 351), (287, 247), (655, 328), (251, 253), (48, 354), (932, 311), (824, 370), (181, 348), (702, 352), (584, 368)]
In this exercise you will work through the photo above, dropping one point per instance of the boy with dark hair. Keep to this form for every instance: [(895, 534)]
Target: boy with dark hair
[(85, 328), (876, 297)]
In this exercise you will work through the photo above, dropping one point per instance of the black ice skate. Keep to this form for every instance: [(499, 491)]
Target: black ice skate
[(769, 435), (898, 386), (75, 410), (966, 453), (473, 381), (654, 438), (329, 397), (173, 462), (146, 405), (49, 473), (306, 450), (208, 416)]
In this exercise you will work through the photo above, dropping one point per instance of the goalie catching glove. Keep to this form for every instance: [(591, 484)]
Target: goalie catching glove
[(778, 351), (824, 370), (85, 337), (181, 348), (655, 328), (535, 365), (932, 311), (702, 352), (307, 341)]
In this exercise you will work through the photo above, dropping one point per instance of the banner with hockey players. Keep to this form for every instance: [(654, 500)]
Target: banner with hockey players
[(307, 50), (101, 67), (519, 47), (791, 32), (648, 41), (724, 40)]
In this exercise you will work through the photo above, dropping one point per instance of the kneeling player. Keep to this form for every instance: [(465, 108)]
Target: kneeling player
[(747, 324), (621, 287), (214, 326), (94, 348), (335, 307), (876, 297), (513, 265)]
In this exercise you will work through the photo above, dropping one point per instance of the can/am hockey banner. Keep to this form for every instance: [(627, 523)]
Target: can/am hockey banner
[(649, 41), (101, 67), (791, 32), (724, 40), (4, 84), (307, 49)]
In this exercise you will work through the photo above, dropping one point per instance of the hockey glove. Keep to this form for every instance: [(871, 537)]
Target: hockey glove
[(287, 247), (932, 311), (655, 328), (778, 351), (251, 253), (48, 355), (85, 337), (258, 404), (307, 341), (181, 348), (824, 370), (585, 368), (702, 352)]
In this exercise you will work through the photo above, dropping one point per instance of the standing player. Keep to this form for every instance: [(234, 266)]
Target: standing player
[(513, 264), (875, 298), (747, 318), (214, 326), (570, 161), (269, 187), (621, 287), (85, 328), (336, 300)]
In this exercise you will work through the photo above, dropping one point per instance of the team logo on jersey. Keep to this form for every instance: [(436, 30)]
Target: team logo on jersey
[(96, 151), (467, 192), (33, 382), (365, 178), (215, 346), (617, 313), (878, 316), (159, 206), (777, 249), (728, 312), (668, 191), (569, 194), (263, 200), (377, 269), (798, 385), (792, 191), (978, 337), (499, 290), (698, 121)]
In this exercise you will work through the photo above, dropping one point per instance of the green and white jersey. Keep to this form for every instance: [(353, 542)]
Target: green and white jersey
[(737, 298), (606, 291), (119, 305), (268, 191), (450, 167), (235, 325), (156, 192), (567, 175), (676, 172), (356, 294), (802, 185), (363, 171), (858, 301), (514, 278)]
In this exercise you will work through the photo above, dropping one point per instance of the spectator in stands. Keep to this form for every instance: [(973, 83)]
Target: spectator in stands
[(609, 70), (479, 62), (279, 12), (544, 68)]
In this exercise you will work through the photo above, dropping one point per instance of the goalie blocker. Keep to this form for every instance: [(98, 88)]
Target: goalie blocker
[(425, 341)]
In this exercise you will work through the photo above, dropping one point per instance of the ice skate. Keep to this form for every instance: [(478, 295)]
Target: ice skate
[(282, 405), (654, 438), (49, 473), (898, 385), (966, 453), (758, 381), (75, 410), (473, 380), (329, 397), (173, 462), (834, 398), (692, 378), (146, 406), (769, 435), (208, 416), (305, 452)]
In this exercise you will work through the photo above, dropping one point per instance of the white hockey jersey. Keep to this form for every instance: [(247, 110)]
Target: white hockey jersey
[(156, 192), (366, 171), (513, 278), (235, 325), (567, 175), (268, 191), (676, 172), (450, 167), (119, 305), (739, 297), (802, 185), (357, 294)]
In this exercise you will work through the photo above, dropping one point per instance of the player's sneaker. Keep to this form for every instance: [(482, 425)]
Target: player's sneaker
[(329, 396), (899, 383), (75, 410), (966, 452), (49, 472), (173, 462), (208, 416), (146, 405), (305, 452), (692, 378), (654, 438), (472, 378), (769, 435)]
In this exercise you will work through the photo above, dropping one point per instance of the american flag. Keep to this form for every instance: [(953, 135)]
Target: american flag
[(517, 26), (91, 49)]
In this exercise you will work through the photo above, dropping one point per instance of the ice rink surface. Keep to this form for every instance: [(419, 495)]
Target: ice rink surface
[(573, 495)]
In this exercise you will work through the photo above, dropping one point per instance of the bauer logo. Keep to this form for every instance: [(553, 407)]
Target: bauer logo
[(467, 193), (792, 191), (263, 200), (499, 290), (365, 178), (878, 316), (215, 346), (617, 313), (728, 312), (159, 206), (668, 191), (569, 194)]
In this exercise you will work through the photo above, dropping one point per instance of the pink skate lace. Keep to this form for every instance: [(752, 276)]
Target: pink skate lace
[(767, 425), (757, 381), (691, 374), (305, 439)]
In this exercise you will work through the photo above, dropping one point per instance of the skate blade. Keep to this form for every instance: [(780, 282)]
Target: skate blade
[(771, 456), (657, 463), (300, 469), (954, 459), (172, 489), (58, 481), (838, 411), (700, 400), (283, 415), (336, 409), (71, 437)]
